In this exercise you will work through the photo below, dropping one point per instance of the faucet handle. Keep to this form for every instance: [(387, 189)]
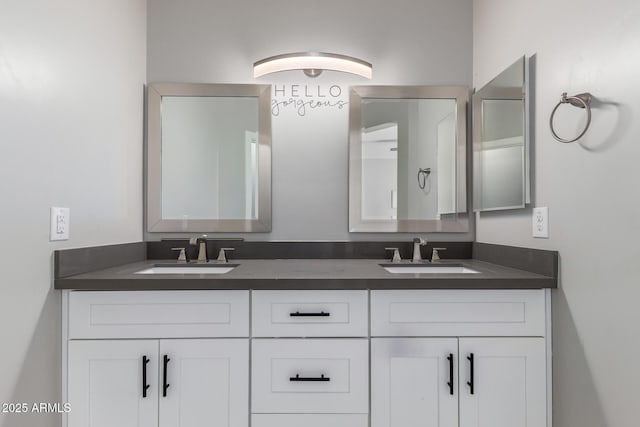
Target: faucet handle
[(435, 257), (396, 254), (222, 256), (182, 257)]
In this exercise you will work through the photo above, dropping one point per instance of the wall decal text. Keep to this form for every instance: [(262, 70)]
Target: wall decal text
[(304, 98)]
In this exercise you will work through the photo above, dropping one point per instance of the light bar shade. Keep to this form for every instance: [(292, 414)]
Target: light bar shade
[(312, 61)]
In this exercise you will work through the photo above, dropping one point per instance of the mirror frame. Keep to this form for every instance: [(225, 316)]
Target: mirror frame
[(359, 225), (488, 92), (155, 221)]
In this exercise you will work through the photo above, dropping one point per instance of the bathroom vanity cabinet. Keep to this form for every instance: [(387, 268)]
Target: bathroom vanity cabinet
[(345, 358), (466, 358), (158, 359)]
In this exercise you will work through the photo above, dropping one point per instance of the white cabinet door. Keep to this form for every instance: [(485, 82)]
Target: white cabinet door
[(208, 383), (106, 380), (412, 381), (509, 382)]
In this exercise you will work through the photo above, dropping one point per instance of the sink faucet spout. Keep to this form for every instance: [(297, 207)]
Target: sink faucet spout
[(417, 242), (201, 242)]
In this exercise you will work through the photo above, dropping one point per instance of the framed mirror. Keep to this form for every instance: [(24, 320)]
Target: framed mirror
[(208, 158), (501, 146), (407, 159)]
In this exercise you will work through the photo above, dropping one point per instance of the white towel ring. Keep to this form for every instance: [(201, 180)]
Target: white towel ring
[(582, 100)]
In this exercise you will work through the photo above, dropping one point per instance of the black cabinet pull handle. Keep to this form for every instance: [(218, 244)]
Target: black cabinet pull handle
[(299, 378), (450, 383), (145, 386), (165, 384), (470, 383), (321, 314)]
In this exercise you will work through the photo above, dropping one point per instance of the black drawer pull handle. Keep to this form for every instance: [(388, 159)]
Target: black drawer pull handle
[(299, 378), (470, 383), (321, 314), (165, 384), (450, 383), (145, 386)]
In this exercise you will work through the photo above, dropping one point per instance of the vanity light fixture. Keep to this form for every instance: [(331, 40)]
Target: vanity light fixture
[(312, 64)]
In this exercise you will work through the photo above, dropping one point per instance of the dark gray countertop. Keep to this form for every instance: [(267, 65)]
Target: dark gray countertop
[(307, 274)]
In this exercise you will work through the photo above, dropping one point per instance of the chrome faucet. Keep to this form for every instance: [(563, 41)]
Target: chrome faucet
[(417, 242), (396, 254), (201, 242), (222, 256), (182, 257), (435, 256)]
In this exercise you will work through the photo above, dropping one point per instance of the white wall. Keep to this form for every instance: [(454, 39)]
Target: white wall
[(71, 86), (408, 42), (590, 187)]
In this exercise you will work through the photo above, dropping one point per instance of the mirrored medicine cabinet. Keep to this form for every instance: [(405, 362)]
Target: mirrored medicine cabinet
[(208, 158), (407, 159), (501, 141)]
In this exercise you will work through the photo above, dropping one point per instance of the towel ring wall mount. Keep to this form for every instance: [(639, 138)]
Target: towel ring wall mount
[(423, 174), (581, 100)]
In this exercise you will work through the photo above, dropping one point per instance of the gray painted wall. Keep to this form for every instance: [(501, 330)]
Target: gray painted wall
[(590, 188), (71, 91), (408, 42)]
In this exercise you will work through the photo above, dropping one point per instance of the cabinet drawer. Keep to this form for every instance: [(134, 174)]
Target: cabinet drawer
[(309, 314), (158, 314), (458, 313), (310, 376), (309, 420)]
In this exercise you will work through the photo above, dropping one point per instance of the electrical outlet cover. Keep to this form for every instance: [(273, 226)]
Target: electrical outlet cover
[(540, 223), (59, 224)]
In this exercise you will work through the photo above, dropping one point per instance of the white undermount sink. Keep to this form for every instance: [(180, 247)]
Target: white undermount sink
[(428, 269), (188, 269)]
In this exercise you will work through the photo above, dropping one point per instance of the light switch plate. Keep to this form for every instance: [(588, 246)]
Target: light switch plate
[(540, 222), (59, 224)]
